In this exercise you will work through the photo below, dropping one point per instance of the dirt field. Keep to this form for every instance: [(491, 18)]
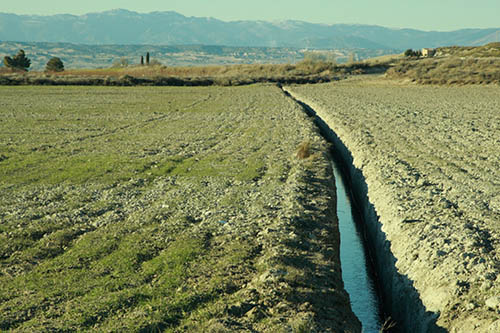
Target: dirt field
[(177, 209), (431, 158)]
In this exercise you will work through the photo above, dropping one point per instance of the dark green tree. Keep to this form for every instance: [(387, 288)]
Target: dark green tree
[(142, 60), (410, 53), (54, 65), (147, 58), (19, 61)]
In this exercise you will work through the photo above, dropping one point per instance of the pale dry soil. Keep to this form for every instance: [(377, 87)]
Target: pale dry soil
[(431, 159), (165, 209)]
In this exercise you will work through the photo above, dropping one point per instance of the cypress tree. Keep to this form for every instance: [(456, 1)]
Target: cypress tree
[(147, 58), (142, 60)]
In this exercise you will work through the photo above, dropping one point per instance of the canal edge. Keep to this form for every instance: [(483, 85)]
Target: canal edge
[(401, 302)]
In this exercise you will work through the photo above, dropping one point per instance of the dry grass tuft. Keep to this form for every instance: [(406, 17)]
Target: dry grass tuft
[(388, 325), (304, 150)]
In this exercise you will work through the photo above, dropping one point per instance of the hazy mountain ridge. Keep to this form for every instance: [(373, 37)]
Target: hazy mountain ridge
[(171, 28)]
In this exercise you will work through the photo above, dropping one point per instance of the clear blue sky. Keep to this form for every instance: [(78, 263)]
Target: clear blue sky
[(419, 14)]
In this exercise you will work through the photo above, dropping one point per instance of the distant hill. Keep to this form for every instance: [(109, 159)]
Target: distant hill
[(171, 28), (452, 65), (101, 56)]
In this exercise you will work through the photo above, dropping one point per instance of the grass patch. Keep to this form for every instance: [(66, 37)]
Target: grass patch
[(306, 71), (134, 208)]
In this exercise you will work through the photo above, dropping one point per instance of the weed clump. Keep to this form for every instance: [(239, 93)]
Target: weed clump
[(304, 150)]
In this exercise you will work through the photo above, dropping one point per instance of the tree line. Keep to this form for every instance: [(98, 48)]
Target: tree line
[(21, 63)]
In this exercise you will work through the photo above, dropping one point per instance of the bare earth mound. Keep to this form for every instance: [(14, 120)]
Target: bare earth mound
[(431, 159)]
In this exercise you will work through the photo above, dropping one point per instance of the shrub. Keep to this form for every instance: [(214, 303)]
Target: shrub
[(410, 53), (54, 65), (121, 63), (19, 61), (304, 150)]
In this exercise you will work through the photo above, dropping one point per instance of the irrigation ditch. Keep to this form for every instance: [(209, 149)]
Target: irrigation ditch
[(358, 273), (399, 304)]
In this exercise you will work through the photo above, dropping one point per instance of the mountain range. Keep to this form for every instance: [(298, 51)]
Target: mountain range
[(170, 28)]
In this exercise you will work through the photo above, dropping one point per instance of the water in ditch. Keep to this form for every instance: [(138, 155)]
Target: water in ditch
[(355, 270)]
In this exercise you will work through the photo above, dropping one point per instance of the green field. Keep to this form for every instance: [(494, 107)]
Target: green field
[(178, 209)]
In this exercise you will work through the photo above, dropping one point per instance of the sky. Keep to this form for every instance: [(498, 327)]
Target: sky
[(440, 15)]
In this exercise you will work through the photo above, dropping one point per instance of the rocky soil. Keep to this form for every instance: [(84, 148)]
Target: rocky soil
[(431, 158), (177, 209)]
